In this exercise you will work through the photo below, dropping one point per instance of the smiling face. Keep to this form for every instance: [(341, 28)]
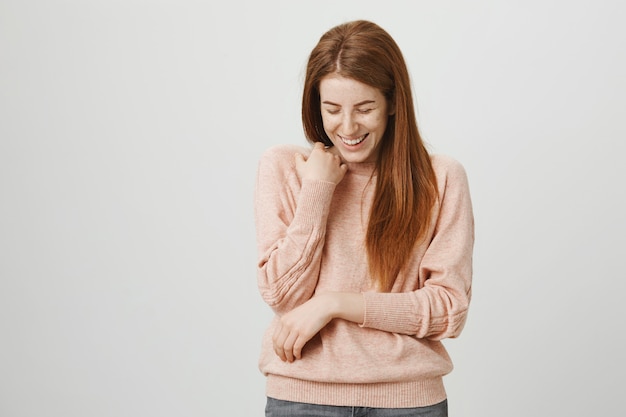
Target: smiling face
[(354, 115)]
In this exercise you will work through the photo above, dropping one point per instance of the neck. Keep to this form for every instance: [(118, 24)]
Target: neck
[(361, 168)]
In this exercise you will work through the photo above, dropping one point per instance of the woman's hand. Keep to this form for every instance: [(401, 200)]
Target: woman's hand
[(297, 327), (321, 165)]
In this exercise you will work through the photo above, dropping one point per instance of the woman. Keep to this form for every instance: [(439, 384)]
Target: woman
[(365, 243)]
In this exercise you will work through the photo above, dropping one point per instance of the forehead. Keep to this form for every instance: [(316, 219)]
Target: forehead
[(338, 89)]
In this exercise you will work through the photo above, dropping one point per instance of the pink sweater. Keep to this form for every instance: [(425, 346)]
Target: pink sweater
[(311, 238)]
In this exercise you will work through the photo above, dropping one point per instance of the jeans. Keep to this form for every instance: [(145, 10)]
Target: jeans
[(280, 408)]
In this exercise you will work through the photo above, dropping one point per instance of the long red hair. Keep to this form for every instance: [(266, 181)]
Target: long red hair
[(405, 186)]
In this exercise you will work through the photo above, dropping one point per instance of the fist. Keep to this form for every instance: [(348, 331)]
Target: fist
[(321, 165)]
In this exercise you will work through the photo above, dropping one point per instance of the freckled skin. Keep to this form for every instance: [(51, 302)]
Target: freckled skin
[(355, 117)]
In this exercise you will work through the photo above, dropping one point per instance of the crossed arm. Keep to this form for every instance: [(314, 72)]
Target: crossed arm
[(298, 326)]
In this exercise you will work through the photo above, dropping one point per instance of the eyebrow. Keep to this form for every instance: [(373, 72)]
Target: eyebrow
[(361, 103)]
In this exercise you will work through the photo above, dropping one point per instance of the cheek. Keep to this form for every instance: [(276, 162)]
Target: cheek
[(380, 124), (329, 123)]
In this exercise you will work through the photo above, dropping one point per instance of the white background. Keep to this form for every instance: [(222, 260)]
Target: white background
[(129, 136)]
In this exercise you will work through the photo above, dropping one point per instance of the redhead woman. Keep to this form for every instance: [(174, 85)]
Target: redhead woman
[(365, 243)]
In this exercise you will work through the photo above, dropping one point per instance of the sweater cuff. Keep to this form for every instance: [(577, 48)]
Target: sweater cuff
[(388, 312), (314, 201)]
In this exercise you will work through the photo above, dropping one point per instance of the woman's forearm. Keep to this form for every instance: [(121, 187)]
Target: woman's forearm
[(347, 306)]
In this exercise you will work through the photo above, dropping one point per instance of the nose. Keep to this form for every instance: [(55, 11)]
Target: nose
[(349, 124)]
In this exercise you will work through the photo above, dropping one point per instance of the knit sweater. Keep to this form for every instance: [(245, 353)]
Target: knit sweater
[(311, 238)]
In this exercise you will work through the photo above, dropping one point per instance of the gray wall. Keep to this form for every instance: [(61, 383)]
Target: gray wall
[(129, 136)]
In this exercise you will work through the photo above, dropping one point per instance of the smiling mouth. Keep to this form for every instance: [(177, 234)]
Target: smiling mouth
[(353, 142)]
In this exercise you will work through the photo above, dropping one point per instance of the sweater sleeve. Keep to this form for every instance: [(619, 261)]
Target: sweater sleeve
[(290, 220), (439, 308)]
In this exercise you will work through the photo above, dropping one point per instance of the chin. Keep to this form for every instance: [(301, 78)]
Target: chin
[(356, 159)]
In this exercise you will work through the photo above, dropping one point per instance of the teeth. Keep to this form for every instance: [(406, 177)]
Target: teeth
[(353, 142)]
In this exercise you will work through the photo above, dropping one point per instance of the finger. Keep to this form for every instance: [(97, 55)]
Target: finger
[(297, 348), (288, 347), (298, 157), (317, 149), (278, 340), (280, 352), (300, 163)]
